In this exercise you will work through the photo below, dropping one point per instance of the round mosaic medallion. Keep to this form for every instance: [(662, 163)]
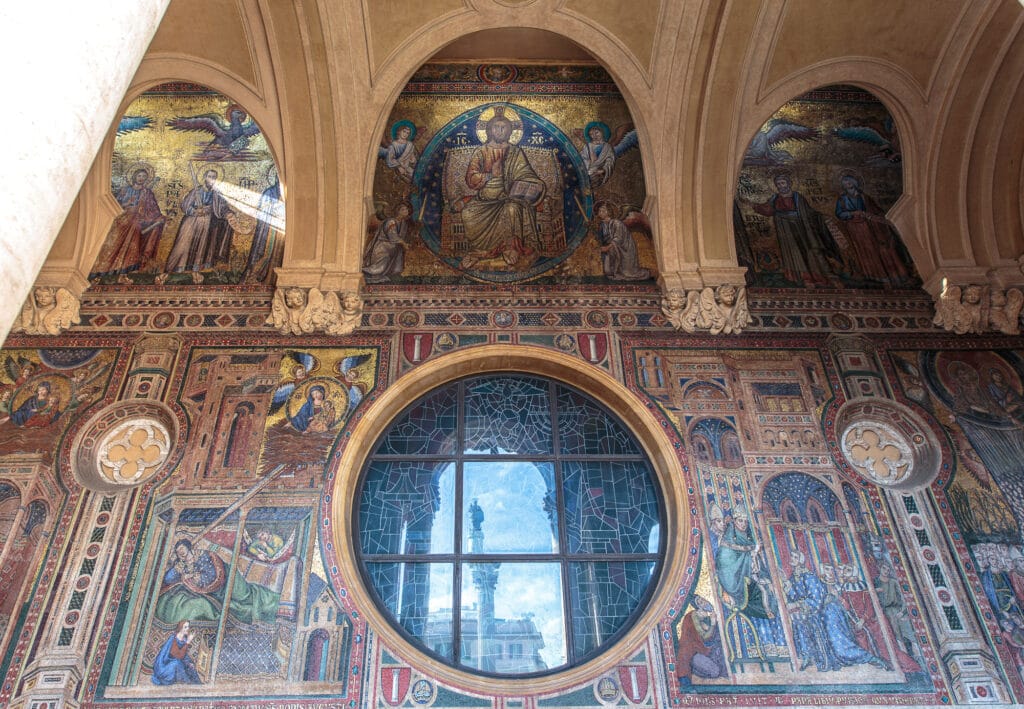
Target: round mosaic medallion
[(131, 452), (888, 443), (124, 445)]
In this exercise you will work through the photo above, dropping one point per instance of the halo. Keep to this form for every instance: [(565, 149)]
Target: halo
[(605, 130), (205, 167), (403, 123), (840, 173), (490, 112), (613, 209), (333, 392), (60, 386), (780, 172), (232, 107), (135, 167)]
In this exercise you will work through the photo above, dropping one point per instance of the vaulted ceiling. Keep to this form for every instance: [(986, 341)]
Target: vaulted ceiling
[(700, 77)]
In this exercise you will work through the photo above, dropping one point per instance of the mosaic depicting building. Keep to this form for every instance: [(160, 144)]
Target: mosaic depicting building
[(524, 354)]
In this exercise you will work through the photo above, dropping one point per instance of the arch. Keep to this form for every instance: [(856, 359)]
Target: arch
[(396, 70), (317, 649), (903, 98), (532, 361), (827, 228), (83, 237)]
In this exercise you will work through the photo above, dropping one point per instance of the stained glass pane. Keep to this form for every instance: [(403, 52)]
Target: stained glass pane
[(584, 428), (510, 507), (499, 487), (603, 595), (419, 596), (428, 428), (507, 415), (406, 508), (512, 617), (610, 507)]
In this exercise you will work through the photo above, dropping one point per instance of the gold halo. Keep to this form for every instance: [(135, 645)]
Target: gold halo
[(488, 114), (333, 392), (135, 167), (60, 386)]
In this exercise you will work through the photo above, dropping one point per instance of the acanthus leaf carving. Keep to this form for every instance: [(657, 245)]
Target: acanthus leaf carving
[(717, 310), (295, 311), (48, 311)]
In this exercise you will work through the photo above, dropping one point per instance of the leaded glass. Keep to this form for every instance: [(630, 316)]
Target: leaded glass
[(426, 428), (418, 595), (603, 596), (506, 415), (406, 508), (502, 543), (610, 507), (585, 429), (512, 604), (517, 500)]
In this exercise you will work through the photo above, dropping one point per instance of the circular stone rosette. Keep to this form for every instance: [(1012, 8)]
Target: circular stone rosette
[(888, 443), (124, 445)]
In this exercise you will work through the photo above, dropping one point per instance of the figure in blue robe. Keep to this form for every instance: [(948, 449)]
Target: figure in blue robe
[(172, 664)]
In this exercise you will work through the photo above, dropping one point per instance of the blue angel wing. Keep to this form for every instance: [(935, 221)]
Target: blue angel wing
[(626, 142), (862, 134), (130, 124), (355, 395), (281, 395), (352, 362)]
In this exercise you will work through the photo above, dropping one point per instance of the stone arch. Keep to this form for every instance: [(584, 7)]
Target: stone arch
[(84, 231), (907, 104), (847, 252), (603, 47)]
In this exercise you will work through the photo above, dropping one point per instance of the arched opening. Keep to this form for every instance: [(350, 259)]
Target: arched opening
[(500, 168), (813, 190)]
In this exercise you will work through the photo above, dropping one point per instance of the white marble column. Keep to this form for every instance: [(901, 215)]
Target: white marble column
[(68, 67)]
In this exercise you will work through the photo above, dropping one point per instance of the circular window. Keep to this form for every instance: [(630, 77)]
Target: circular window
[(509, 525)]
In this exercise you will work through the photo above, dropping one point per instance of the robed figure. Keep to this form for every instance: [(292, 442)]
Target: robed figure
[(501, 218)]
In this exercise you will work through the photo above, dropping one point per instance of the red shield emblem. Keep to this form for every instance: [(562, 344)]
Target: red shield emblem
[(633, 679), (593, 346), (417, 346), (394, 684)]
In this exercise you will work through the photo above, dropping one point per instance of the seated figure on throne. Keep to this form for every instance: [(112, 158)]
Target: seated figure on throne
[(752, 617), (500, 219)]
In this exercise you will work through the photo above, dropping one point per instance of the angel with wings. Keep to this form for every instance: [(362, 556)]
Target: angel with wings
[(400, 154), (48, 311), (601, 149), (764, 150), (350, 376), (299, 365), (229, 140)]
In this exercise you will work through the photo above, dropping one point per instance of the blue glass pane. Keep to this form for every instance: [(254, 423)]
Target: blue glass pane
[(512, 617), (419, 596), (510, 508), (507, 414), (610, 507), (584, 428), (406, 508), (428, 428), (603, 596)]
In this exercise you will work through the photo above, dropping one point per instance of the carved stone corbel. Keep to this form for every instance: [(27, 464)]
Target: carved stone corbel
[(717, 310), (1004, 310), (978, 308), (298, 311), (48, 310)]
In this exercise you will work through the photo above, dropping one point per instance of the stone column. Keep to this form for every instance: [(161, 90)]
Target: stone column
[(74, 66)]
